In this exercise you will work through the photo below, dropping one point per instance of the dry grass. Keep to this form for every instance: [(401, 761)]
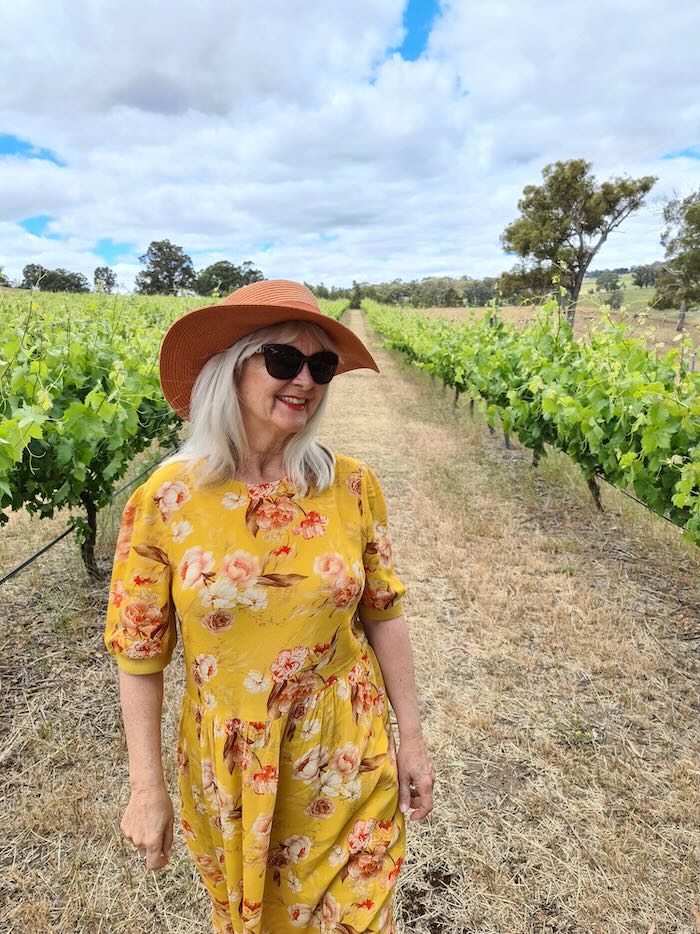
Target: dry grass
[(557, 654)]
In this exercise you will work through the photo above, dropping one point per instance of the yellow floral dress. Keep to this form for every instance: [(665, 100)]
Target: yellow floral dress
[(287, 765)]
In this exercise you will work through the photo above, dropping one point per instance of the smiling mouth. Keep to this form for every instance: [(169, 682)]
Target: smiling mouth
[(292, 402)]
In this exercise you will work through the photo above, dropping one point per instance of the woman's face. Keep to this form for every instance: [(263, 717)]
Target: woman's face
[(276, 408)]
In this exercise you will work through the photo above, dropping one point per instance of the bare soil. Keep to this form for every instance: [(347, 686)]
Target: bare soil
[(557, 651)]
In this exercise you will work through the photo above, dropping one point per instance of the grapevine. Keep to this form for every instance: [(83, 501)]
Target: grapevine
[(617, 409)]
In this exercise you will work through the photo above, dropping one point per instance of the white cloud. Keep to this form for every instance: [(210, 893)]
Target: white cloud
[(288, 135)]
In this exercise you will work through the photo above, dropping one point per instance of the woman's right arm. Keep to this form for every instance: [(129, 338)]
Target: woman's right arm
[(148, 819)]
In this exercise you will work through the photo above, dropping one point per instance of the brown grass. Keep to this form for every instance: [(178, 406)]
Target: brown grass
[(557, 654)]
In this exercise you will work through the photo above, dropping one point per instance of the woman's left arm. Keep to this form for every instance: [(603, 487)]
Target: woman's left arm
[(392, 645)]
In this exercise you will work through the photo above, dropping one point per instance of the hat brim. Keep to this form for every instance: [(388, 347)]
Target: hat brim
[(203, 332)]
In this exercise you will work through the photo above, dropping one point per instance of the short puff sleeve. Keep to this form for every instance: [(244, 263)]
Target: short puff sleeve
[(140, 628), (383, 591)]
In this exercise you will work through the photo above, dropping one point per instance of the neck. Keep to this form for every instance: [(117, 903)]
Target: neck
[(263, 465)]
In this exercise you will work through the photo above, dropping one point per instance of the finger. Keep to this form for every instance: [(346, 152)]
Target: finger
[(422, 799), (423, 806), (168, 840), (154, 856), (404, 792)]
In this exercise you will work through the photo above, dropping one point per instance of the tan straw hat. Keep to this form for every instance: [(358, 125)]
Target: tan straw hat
[(199, 334)]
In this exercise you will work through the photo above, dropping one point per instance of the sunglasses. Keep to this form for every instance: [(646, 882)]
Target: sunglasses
[(283, 361)]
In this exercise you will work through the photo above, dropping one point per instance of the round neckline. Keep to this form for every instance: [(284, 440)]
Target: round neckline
[(273, 485), (262, 482)]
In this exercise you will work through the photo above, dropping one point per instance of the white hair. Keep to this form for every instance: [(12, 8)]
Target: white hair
[(216, 430)]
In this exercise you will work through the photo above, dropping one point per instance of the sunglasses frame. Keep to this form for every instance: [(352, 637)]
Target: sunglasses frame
[(312, 360)]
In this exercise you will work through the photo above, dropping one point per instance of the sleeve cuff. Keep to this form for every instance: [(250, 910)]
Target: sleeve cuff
[(393, 612), (143, 666)]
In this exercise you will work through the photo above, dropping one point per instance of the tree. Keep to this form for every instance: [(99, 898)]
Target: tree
[(678, 285), (32, 274), (452, 298), (223, 277), (168, 269), (356, 297), (61, 280), (479, 292), (104, 279), (615, 298), (37, 277), (607, 281), (521, 283), (4, 281), (646, 276), (567, 219)]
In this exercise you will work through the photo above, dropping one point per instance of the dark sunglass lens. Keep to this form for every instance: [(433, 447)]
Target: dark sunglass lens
[(323, 366), (284, 361), (281, 361)]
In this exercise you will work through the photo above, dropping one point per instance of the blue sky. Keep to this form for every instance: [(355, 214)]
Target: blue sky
[(690, 152), (21, 148), (418, 19), (396, 146), (38, 226)]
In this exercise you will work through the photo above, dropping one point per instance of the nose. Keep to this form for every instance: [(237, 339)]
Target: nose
[(303, 377)]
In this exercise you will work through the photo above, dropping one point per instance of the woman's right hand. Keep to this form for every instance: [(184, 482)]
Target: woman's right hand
[(148, 824)]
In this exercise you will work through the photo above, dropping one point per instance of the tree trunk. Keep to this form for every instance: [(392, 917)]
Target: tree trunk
[(87, 548), (573, 299), (680, 324), (595, 492)]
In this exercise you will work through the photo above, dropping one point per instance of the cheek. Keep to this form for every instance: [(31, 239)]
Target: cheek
[(319, 399), (254, 386)]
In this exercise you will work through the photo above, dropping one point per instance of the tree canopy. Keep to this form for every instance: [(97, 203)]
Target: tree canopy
[(646, 276), (678, 284), (168, 270), (104, 279), (607, 281), (224, 277), (566, 220), (35, 276)]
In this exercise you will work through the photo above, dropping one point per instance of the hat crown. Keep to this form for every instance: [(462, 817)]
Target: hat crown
[(277, 292)]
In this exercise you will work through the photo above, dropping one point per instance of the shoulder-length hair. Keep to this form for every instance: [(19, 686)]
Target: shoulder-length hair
[(217, 434)]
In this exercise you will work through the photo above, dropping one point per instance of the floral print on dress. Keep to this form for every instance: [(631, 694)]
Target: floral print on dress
[(285, 757)]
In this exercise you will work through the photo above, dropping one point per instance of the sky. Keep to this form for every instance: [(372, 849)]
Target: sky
[(358, 139)]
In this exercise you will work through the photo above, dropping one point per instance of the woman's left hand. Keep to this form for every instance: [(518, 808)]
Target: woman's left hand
[(416, 778)]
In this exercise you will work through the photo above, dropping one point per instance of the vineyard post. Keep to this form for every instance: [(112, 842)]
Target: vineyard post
[(456, 399)]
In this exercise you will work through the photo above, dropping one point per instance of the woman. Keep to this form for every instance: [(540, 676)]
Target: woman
[(273, 554)]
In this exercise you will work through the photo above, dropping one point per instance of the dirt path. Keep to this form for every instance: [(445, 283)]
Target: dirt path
[(557, 655), (559, 700)]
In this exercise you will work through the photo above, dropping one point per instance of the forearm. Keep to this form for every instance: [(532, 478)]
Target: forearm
[(392, 646), (142, 705)]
